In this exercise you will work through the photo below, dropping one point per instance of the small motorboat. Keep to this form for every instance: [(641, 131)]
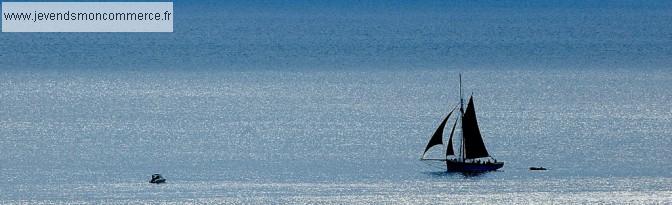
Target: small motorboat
[(537, 168), (157, 179)]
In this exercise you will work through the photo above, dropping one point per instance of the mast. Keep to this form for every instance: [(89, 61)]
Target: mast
[(462, 156), (461, 124), (461, 98)]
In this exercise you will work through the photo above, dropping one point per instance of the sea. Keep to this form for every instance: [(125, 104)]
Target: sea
[(314, 102)]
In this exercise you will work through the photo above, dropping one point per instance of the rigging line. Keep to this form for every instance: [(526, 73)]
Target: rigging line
[(432, 164), (433, 159)]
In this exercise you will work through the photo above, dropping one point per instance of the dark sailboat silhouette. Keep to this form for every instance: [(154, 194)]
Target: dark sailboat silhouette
[(472, 156)]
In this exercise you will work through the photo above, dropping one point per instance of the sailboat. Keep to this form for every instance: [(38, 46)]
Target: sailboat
[(472, 155)]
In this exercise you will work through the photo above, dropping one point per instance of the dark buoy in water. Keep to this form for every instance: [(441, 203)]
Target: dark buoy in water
[(157, 179), (537, 168)]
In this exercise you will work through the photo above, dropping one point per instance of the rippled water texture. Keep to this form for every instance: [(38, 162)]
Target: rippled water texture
[(333, 102), (330, 136)]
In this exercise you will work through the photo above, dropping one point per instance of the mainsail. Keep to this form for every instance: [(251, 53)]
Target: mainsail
[(473, 142), (437, 138), (449, 150)]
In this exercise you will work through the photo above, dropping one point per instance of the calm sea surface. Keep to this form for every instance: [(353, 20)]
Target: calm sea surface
[(341, 137), (295, 104)]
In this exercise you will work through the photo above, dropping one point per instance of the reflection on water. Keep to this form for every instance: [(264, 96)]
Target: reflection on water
[(328, 136), (450, 174)]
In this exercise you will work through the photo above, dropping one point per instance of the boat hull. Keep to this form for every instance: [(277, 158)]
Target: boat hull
[(458, 166)]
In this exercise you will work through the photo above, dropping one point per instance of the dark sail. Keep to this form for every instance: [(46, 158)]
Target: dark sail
[(473, 142), (437, 138), (449, 150)]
